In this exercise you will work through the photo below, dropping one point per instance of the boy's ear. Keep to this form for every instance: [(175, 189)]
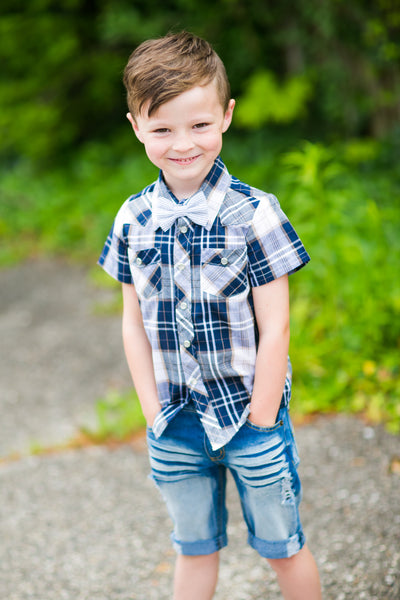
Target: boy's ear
[(134, 126), (228, 115)]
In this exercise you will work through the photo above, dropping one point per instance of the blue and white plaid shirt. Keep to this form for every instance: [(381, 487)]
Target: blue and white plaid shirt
[(194, 287)]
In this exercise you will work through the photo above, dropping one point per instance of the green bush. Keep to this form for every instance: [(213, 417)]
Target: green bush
[(346, 303), (66, 211)]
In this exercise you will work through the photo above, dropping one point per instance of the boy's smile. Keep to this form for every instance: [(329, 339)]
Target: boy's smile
[(184, 136)]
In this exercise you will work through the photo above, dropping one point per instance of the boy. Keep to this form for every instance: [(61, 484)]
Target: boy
[(204, 261)]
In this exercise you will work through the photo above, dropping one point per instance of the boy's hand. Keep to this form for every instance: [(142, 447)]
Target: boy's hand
[(262, 419), (150, 416)]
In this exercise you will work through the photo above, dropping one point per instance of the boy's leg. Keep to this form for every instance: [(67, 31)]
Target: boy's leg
[(263, 461), (196, 577), (298, 576), (193, 488)]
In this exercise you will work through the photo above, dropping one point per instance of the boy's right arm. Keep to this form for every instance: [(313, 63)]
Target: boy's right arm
[(138, 354)]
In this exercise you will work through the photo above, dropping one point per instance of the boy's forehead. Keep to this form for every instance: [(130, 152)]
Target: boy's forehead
[(188, 95)]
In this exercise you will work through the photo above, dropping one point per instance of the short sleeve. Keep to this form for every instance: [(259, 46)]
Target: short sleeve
[(114, 257), (273, 246)]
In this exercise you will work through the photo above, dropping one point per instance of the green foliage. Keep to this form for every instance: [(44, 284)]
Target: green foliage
[(62, 62), (265, 100), (346, 303), (66, 211), (118, 416)]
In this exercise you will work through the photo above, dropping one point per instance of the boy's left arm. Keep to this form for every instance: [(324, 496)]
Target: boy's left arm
[(271, 306)]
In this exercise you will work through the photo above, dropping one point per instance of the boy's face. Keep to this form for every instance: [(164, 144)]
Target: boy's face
[(184, 136)]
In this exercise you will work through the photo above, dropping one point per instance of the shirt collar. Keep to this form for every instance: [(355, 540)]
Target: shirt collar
[(214, 188)]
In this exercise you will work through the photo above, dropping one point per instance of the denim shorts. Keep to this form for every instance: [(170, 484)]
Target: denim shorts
[(192, 480)]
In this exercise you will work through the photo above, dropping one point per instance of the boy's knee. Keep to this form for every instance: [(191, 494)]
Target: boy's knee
[(302, 560), (283, 565)]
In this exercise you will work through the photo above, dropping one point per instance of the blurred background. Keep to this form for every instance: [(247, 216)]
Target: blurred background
[(317, 123)]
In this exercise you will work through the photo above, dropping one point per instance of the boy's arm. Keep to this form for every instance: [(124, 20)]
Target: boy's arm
[(271, 306), (138, 354)]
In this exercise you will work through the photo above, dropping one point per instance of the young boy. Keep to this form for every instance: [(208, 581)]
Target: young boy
[(204, 261)]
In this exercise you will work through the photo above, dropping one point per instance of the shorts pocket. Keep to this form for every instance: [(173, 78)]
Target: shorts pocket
[(145, 267), (259, 456), (224, 271), (278, 425), (171, 460)]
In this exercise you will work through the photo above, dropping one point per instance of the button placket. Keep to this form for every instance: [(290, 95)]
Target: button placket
[(183, 279)]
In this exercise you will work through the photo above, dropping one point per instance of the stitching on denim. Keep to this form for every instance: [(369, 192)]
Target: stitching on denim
[(212, 455), (275, 427), (221, 507)]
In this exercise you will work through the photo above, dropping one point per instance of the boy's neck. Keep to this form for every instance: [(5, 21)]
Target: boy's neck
[(182, 193)]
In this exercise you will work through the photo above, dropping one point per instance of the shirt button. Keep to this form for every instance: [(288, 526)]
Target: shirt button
[(184, 305), (186, 343), (139, 261), (183, 229), (180, 267), (224, 261)]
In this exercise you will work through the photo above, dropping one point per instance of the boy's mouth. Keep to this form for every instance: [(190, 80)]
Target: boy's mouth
[(184, 161)]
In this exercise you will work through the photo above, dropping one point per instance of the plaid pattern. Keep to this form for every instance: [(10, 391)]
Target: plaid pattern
[(194, 286)]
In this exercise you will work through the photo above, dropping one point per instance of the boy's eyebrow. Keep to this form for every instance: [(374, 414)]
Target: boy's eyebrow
[(200, 116)]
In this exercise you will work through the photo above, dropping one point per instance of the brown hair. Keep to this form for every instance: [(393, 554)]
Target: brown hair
[(162, 69)]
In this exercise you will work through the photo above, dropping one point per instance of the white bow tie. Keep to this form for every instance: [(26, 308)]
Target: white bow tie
[(167, 211)]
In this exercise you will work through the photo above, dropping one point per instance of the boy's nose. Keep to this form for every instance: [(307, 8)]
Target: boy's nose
[(183, 142)]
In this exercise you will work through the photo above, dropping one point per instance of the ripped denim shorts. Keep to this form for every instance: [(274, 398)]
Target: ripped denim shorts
[(192, 480)]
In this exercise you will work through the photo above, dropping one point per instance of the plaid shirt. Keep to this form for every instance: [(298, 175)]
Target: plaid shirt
[(194, 287)]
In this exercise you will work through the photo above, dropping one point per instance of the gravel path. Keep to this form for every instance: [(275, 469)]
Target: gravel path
[(89, 525), (57, 356)]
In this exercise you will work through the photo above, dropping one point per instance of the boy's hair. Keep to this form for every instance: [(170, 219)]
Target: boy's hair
[(162, 69)]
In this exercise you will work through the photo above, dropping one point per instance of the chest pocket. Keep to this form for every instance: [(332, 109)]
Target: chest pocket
[(224, 271), (145, 267)]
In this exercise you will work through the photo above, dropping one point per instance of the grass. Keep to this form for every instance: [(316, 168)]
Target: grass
[(118, 417)]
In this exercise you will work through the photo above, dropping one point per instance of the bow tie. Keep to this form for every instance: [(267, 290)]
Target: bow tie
[(167, 211)]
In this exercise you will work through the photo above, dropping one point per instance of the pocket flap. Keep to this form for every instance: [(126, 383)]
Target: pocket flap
[(146, 257)]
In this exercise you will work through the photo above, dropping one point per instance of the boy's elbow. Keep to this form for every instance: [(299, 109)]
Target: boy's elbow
[(283, 334), (277, 333), (286, 328)]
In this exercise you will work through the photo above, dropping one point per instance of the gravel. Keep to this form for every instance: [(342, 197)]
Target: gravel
[(88, 524), (57, 355)]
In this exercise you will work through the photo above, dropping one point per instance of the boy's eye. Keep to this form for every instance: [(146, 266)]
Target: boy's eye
[(200, 125), (161, 130)]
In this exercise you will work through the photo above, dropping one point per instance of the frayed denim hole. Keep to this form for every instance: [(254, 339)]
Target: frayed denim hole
[(287, 492)]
